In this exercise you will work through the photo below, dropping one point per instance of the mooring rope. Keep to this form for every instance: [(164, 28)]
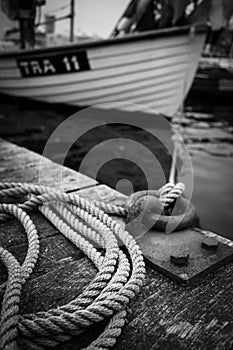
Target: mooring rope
[(85, 224)]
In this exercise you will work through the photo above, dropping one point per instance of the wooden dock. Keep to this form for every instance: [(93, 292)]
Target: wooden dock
[(164, 315)]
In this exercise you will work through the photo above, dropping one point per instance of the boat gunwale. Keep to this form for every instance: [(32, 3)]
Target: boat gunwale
[(118, 54), (158, 33)]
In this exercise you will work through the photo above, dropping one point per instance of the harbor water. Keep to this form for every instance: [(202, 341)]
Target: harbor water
[(207, 129)]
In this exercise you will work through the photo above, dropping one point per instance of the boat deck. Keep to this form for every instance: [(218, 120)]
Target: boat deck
[(164, 315)]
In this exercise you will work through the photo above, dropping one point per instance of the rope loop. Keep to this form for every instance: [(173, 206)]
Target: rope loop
[(154, 209), (171, 192), (87, 225)]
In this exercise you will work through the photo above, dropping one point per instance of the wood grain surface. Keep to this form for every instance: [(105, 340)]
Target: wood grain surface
[(17, 164)]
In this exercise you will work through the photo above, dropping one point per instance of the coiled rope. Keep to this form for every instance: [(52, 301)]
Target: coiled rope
[(85, 224)]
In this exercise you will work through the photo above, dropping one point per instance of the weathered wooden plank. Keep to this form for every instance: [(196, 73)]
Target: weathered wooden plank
[(13, 233), (17, 164), (54, 252), (167, 316), (102, 193), (57, 287), (55, 249)]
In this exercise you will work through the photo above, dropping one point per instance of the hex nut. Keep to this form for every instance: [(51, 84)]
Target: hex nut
[(210, 243), (180, 258), (184, 276)]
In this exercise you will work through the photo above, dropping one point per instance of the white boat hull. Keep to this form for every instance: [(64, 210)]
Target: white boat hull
[(155, 71)]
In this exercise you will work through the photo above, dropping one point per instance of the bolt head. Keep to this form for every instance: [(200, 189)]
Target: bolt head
[(180, 257), (184, 276), (210, 243)]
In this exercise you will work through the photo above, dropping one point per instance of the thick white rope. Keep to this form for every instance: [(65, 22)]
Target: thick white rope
[(117, 282)]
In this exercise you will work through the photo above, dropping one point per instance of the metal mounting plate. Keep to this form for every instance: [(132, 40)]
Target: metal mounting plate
[(157, 248)]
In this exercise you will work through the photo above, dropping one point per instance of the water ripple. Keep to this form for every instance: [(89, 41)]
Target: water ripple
[(208, 133)]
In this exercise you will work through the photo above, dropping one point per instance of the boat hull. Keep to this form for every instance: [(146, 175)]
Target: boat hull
[(153, 69)]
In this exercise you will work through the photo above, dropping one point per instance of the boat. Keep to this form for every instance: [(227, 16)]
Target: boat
[(154, 68), (215, 70), (214, 78)]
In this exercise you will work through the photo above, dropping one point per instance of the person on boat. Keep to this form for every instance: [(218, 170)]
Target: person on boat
[(23, 11), (142, 15), (26, 15), (219, 18)]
